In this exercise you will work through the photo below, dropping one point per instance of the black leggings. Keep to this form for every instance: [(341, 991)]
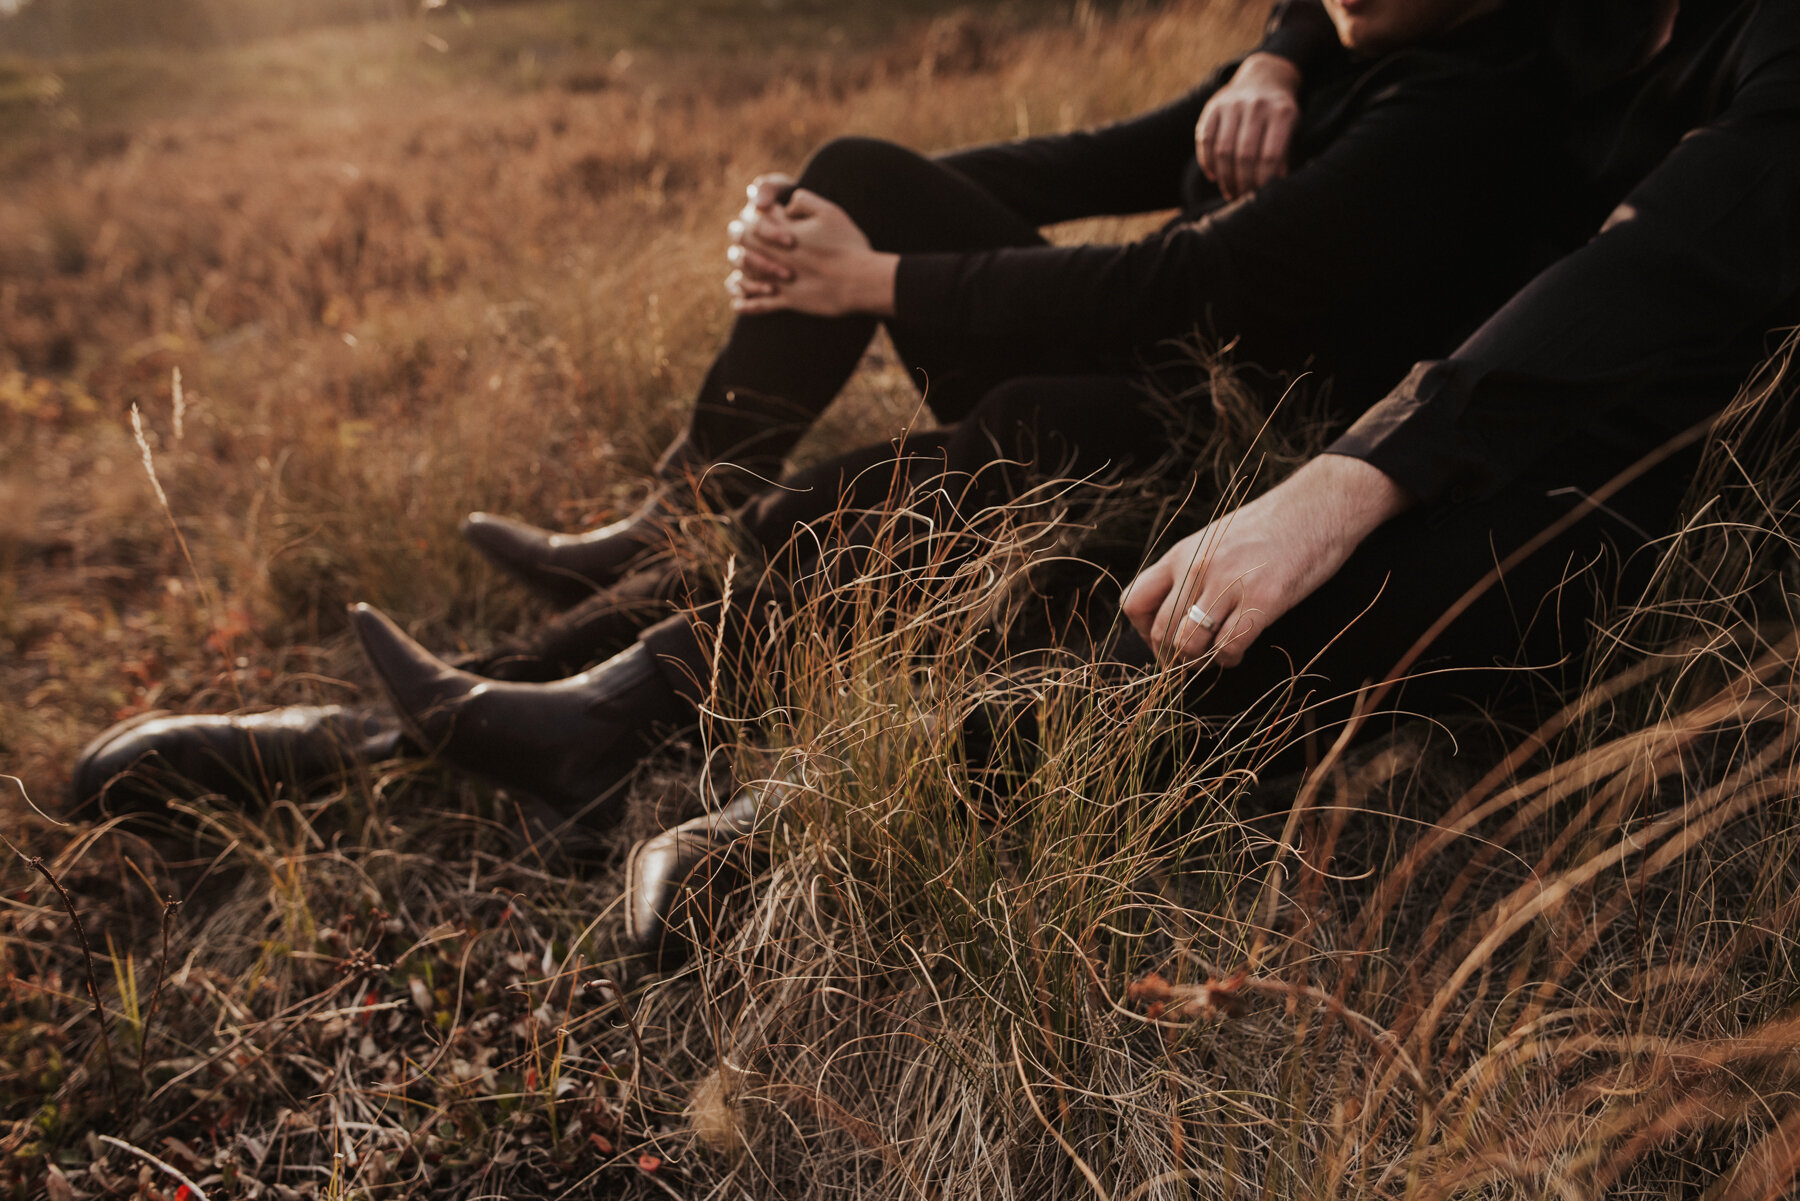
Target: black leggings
[(778, 372)]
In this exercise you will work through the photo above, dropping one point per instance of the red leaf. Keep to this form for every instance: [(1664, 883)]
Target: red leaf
[(649, 1163)]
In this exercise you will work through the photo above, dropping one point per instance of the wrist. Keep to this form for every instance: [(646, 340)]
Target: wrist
[(1269, 69), (1355, 496), (875, 293)]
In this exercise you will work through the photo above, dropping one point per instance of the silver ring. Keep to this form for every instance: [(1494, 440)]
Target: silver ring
[(1203, 619)]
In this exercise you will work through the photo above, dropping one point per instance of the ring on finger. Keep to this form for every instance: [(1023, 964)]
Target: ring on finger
[(1200, 617)]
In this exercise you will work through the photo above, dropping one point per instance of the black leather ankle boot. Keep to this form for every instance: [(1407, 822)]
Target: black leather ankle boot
[(571, 743), (139, 764), (566, 568), (677, 883)]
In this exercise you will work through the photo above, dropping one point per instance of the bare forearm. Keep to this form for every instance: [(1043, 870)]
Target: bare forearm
[(1347, 497), (871, 283)]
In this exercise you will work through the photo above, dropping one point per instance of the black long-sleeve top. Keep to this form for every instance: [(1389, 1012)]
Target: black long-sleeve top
[(1690, 168), (1407, 216)]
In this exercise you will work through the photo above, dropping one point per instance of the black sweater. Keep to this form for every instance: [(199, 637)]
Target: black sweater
[(1689, 167), (1406, 217)]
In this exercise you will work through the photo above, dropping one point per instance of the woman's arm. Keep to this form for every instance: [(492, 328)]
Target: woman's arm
[(1135, 166), (1130, 166), (1420, 174)]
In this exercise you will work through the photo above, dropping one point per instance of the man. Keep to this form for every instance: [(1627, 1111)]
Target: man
[(1692, 156), (1266, 275)]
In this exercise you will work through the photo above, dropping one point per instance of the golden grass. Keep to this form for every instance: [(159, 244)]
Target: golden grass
[(1565, 970)]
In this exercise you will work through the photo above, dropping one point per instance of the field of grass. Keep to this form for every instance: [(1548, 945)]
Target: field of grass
[(406, 270)]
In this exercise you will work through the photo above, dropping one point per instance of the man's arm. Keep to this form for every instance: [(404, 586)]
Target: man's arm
[(1685, 280), (1701, 260), (1301, 32), (1246, 130), (1225, 583)]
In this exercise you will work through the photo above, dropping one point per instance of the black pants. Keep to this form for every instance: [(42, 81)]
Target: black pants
[(1535, 620), (1021, 413)]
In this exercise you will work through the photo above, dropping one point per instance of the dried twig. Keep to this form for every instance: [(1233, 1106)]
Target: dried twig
[(170, 907), (198, 1192), (37, 864)]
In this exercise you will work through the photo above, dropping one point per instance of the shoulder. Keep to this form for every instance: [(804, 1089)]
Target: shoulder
[(1496, 71)]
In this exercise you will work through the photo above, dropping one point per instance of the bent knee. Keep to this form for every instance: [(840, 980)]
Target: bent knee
[(852, 170)]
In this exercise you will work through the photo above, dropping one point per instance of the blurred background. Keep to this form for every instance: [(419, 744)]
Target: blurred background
[(55, 27)]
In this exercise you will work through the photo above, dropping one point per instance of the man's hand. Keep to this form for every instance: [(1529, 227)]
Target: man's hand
[(809, 256), (1243, 136), (1244, 570)]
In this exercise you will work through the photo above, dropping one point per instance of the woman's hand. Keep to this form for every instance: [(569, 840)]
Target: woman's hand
[(752, 276), (1243, 136), (808, 256), (1244, 570)]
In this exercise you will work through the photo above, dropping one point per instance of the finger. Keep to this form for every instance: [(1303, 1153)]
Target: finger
[(770, 229), (1187, 575), (1248, 154), (1225, 151), (1272, 160), (742, 285), (1144, 597), (1206, 137), (751, 306), (1236, 633), (1191, 638), (765, 190), (802, 204), (757, 265)]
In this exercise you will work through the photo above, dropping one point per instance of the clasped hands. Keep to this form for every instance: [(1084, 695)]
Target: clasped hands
[(805, 255)]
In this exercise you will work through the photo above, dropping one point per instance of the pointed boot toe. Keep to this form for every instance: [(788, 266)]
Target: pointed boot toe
[(572, 743), (140, 764), (426, 692), (564, 568), (678, 884)]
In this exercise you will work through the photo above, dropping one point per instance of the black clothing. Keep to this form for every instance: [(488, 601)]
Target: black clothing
[(1360, 251), (778, 372), (1392, 237), (1696, 156), (1401, 216), (836, 527)]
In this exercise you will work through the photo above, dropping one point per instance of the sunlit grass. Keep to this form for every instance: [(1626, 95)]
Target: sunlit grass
[(433, 281)]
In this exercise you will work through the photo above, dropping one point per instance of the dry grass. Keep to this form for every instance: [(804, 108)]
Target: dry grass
[(1562, 970)]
